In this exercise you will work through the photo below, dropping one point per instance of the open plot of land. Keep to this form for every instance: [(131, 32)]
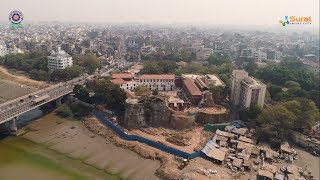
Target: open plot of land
[(161, 134), (4, 74), (10, 90)]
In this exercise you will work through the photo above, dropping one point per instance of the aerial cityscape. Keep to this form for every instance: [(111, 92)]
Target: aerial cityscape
[(144, 90)]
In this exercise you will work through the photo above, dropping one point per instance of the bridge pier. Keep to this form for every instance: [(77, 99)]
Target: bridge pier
[(13, 125), (58, 101)]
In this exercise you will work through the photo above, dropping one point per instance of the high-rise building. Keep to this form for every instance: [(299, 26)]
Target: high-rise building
[(246, 91), (59, 60)]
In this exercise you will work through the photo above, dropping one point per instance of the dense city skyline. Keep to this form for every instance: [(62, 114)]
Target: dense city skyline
[(242, 12)]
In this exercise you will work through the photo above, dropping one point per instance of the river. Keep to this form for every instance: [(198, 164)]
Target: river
[(21, 158), (56, 148)]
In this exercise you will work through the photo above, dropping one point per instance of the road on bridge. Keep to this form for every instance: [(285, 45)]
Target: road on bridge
[(13, 108)]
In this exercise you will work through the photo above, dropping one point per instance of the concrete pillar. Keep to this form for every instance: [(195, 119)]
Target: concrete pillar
[(58, 101), (13, 125)]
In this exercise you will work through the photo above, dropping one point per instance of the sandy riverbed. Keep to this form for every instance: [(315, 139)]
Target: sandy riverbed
[(74, 140), (10, 90)]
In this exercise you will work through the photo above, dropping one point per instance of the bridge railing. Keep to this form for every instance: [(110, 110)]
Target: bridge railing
[(13, 108)]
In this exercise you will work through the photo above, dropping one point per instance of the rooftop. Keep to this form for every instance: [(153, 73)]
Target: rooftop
[(215, 79), (252, 81), (191, 86), (122, 76), (217, 154), (157, 76), (118, 81)]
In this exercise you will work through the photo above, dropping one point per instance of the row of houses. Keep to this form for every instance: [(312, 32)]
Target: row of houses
[(193, 86)]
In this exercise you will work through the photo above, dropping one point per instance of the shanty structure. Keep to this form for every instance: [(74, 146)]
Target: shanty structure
[(245, 147), (279, 176), (295, 177), (285, 148), (293, 169), (221, 138), (245, 139), (225, 134), (255, 152), (269, 167), (264, 175), (237, 162), (217, 154)]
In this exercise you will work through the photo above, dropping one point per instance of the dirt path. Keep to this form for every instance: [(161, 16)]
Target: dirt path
[(4, 74)]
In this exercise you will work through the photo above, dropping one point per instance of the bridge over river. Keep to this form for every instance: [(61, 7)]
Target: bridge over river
[(10, 110)]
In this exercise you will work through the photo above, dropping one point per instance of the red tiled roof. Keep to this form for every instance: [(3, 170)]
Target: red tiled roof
[(118, 81), (200, 83), (157, 76), (191, 87), (122, 76)]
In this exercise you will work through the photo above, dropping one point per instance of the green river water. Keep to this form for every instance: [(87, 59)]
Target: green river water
[(22, 159)]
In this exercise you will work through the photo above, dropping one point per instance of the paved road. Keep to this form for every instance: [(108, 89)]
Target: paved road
[(20, 105)]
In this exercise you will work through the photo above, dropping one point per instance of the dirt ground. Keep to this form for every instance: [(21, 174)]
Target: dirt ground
[(10, 90), (160, 135), (4, 74), (169, 168), (73, 139), (306, 159)]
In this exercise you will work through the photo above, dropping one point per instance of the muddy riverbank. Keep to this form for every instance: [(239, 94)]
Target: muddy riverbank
[(74, 140)]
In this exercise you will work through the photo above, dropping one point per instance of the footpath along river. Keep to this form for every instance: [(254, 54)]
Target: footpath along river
[(55, 148)]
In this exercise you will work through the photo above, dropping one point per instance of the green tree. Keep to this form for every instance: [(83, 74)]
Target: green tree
[(110, 94), (82, 93), (305, 111), (218, 59), (168, 67), (291, 84), (274, 124), (142, 90), (73, 71), (79, 110), (218, 92), (64, 111), (251, 114), (88, 61), (151, 68)]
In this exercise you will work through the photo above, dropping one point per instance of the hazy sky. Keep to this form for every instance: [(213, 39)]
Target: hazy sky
[(258, 12)]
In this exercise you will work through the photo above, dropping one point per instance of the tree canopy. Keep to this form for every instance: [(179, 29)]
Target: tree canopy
[(275, 122), (142, 90), (109, 93), (160, 67), (88, 61)]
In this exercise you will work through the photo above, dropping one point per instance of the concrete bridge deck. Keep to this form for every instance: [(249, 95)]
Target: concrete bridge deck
[(10, 110)]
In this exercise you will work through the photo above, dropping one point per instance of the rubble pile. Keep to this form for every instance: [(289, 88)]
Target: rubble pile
[(178, 139), (206, 172)]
